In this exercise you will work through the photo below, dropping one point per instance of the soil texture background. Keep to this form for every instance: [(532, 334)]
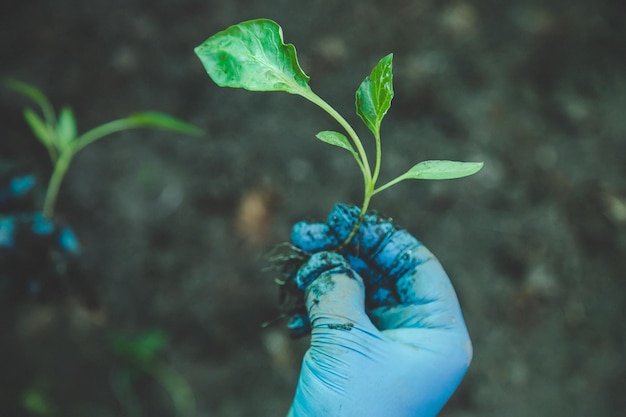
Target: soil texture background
[(174, 229)]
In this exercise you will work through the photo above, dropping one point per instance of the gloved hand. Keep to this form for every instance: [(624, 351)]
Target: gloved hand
[(388, 337)]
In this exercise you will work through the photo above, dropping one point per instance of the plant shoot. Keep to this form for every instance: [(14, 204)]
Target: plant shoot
[(59, 134), (252, 55)]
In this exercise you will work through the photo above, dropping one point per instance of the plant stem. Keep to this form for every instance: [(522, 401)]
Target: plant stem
[(104, 130), (378, 159), (389, 184), (357, 224), (365, 168), (60, 168), (369, 193), (63, 161), (369, 180)]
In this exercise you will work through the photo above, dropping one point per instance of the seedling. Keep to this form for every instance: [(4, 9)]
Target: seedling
[(142, 355), (252, 55), (59, 134)]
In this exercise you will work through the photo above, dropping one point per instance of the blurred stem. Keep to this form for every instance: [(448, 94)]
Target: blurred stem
[(176, 386), (60, 168), (121, 383), (62, 164)]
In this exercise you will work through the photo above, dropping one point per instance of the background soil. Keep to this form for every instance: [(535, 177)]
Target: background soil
[(174, 228)]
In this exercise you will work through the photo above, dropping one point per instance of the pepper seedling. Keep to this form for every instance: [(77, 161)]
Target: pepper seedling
[(59, 134), (252, 55)]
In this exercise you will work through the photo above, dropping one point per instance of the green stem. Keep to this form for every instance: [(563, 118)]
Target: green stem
[(121, 384), (378, 159), (369, 192), (60, 168), (369, 180), (105, 130), (357, 225), (176, 386), (365, 167), (389, 184), (63, 161)]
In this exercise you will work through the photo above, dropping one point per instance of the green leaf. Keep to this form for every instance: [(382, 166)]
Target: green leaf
[(36, 402), (66, 127), (336, 139), (373, 98), (442, 170), (34, 94), (253, 56), (141, 348), (164, 121), (38, 126)]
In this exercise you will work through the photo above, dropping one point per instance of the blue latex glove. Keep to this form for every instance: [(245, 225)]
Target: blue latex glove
[(388, 337)]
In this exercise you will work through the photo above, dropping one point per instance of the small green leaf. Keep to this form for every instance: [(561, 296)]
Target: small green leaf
[(38, 126), (141, 348), (164, 121), (336, 139), (66, 127), (373, 98), (36, 402), (442, 170), (253, 56), (29, 91)]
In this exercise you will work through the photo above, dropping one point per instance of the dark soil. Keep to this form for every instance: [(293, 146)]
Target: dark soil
[(174, 228)]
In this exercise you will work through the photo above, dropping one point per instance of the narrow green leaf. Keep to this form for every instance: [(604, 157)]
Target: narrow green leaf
[(34, 94), (38, 126), (336, 139), (66, 127), (36, 402), (164, 121), (253, 56), (373, 98), (442, 170)]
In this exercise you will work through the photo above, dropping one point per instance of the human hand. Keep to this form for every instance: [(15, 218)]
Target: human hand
[(387, 333)]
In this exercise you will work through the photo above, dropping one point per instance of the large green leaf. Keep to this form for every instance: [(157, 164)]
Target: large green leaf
[(373, 98), (441, 170), (253, 56)]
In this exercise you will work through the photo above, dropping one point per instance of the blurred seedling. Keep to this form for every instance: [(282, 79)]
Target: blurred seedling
[(59, 133), (252, 55), (142, 355), (35, 400)]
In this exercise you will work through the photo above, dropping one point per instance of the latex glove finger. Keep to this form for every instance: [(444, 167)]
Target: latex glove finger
[(313, 237)]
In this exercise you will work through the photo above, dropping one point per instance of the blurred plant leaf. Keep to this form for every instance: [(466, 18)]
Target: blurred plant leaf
[(66, 128), (34, 94), (252, 55), (140, 349), (38, 126), (163, 121), (35, 402)]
